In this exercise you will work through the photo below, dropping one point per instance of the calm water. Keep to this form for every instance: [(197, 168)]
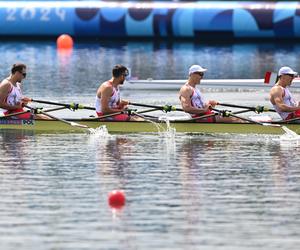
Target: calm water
[(183, 191)]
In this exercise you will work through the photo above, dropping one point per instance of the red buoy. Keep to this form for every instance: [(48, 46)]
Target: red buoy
[(64, 41), (116, 199)]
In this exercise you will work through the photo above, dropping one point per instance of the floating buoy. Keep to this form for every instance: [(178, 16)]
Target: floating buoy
[(64, 41), (116, 199)]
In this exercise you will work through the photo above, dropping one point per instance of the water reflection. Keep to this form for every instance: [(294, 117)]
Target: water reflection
[(90, 62), (198, 189), (111, 152), (13, 147)]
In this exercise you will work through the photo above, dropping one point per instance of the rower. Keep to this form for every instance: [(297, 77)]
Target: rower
[(280, 96), (193, 102), (11, 97), (108, 101)]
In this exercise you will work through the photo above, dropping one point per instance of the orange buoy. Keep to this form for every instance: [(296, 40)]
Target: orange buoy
[(116, 199), (64, 41)]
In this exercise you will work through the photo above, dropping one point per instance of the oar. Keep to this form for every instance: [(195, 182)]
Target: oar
[(166, 108), (257, 109), (54, 109), (74, 124), (242, 111), (146, 110), (107, 116), (129, 111), (73, 106), (14, 114), (246, 119), (290, 120), (28, 111), (215, 114)]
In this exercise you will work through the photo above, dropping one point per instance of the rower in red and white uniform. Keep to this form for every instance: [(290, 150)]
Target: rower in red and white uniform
[(108, 100), (280, 96), (11, 97), (193, 102)]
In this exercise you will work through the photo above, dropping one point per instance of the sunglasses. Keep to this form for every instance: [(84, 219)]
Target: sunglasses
[(291, 75), (23, 74), (199, 73)]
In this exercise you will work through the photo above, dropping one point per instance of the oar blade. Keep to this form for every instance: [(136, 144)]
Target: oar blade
[(75, 124), (270, 124)]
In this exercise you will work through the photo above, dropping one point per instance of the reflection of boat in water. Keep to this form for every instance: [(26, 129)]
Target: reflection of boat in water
[(55, 126), (212, 83)]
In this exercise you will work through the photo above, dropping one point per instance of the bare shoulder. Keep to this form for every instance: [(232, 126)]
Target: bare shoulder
[(104, 86), (5, 84), (185, 90), (276, 90)]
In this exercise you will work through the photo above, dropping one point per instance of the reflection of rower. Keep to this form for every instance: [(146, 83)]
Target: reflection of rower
[(11, 97), (193, 102), (16, 149)]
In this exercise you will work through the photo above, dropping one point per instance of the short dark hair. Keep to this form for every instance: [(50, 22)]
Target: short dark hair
[(18, 67), (119, 70)]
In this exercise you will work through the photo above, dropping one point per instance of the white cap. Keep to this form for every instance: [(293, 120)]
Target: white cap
[(287, 70), (196, 68)]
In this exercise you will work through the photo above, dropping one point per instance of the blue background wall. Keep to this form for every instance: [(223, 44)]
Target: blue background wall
[(199, 20)]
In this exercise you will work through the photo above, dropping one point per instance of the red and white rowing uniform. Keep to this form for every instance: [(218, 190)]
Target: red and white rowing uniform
[(197, 100), (13, 98), (113, 103), (288, 100)]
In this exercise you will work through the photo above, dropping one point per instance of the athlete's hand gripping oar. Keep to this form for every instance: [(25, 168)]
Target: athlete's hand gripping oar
[(74, 124), (73, 106), (166, 108), (257, 109)]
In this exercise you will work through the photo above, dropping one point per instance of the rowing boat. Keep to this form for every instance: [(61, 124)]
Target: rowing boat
[(56, 126), (181, 124)]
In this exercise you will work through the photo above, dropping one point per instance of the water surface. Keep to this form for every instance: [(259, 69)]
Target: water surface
[(184, 191)]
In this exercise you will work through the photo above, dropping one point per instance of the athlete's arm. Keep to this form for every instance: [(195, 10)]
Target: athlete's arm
[(123, 104), (106, 93), (277, 99), (4, 90), (185, 99)]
